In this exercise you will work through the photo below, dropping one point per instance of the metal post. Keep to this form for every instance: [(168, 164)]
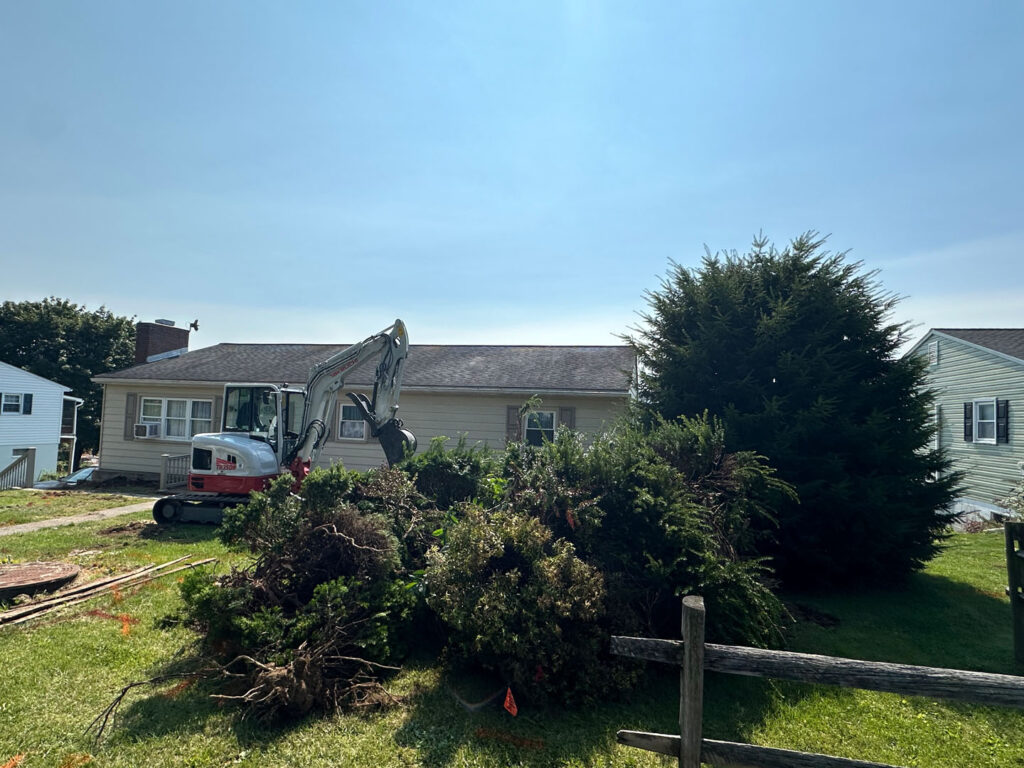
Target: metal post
[(691, 683), (164, 458)]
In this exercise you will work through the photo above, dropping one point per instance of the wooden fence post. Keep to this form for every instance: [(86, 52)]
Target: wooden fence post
[(1015, 579), (691, 683)]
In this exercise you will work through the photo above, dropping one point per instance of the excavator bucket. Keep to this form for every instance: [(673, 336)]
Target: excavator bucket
[(395, 441)]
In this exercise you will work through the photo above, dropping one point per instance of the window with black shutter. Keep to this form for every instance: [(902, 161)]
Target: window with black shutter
[(987, 421)]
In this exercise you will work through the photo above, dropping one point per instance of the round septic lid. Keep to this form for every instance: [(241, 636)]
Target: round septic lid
[(29, 578)]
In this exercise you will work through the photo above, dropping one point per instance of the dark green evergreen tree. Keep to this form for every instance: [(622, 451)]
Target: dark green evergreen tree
[(797, 353), (64, 342)]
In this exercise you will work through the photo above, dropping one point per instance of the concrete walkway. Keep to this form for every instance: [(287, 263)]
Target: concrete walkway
[(85, 517)]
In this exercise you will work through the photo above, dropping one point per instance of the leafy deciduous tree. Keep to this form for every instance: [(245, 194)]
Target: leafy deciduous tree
[(62, 341)]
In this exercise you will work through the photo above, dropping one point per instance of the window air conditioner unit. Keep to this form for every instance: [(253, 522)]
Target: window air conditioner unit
[(149, 429)]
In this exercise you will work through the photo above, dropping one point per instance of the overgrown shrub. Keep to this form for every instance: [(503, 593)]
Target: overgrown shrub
[(661, 512), (520, 602), (586, 542), (451, 474)]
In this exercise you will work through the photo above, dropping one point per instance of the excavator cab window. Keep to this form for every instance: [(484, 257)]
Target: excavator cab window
[(294, 401), (252, 410)]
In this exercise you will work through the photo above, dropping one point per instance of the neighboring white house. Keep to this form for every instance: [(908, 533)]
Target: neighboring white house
[(978, 377), (475, 391), (34, 413)]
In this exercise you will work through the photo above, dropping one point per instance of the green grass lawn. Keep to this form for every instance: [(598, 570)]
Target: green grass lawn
[(59, 673), (25, 506)]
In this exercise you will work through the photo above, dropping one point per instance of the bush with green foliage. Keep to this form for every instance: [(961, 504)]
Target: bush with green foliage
[(795, 351), (452, 474), (520, 602), (661, 511), (592, 541)]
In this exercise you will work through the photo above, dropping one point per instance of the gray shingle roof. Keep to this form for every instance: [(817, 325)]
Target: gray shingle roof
[(1009, 341), (533, 368)]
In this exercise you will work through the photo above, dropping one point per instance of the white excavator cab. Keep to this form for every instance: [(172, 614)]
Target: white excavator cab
[(267, 429)]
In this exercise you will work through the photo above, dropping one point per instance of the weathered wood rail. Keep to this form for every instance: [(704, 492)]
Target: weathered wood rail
[(694, 656)]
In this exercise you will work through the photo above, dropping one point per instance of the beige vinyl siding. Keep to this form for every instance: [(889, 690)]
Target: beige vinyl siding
[(963, 374), (142, 456), (480, 417)]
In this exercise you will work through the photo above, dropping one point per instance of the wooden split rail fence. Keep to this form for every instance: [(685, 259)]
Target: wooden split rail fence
[(1015, 580), (695, 656)]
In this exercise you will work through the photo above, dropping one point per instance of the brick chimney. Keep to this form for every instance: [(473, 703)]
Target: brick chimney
[(155, 341)]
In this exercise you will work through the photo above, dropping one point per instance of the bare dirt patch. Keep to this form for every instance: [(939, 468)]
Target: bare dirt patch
[(135, 527)]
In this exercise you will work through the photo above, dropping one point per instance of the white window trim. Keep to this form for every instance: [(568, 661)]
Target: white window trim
[(554, 422), (19, 401), (937, 423), (994, 421), (933, 353), (162, 420), (342, 421)]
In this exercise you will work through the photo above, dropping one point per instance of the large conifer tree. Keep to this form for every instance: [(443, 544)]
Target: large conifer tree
[(796, 351)]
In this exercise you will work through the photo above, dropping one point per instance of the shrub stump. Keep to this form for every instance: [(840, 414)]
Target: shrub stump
[(29, 578)]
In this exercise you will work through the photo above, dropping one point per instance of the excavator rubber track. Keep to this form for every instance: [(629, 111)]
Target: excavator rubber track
[(195, 507)]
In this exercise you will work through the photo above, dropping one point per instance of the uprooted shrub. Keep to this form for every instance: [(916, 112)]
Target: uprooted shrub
[(592, 541), (519, 602), (312, 622), (661, 512)]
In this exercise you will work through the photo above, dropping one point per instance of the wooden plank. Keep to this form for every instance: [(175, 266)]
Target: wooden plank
[(99, 585), (937, 682), (733, 755), (691, 682), (978, 687), (151, 575)]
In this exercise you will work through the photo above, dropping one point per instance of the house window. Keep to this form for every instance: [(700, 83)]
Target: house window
[(352, 425), (985, 421), (180, 419), (11, 403), (540, 426), (933, 353)]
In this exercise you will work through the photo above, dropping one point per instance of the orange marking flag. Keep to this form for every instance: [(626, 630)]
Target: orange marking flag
[(510, 703)]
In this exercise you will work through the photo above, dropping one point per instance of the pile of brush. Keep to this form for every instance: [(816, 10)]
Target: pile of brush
[(312, 623)]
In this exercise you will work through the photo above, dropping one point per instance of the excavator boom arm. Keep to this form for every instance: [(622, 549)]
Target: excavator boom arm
[(390, 347)]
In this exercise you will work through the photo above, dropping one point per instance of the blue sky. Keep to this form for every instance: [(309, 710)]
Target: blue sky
[(499, 173)]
